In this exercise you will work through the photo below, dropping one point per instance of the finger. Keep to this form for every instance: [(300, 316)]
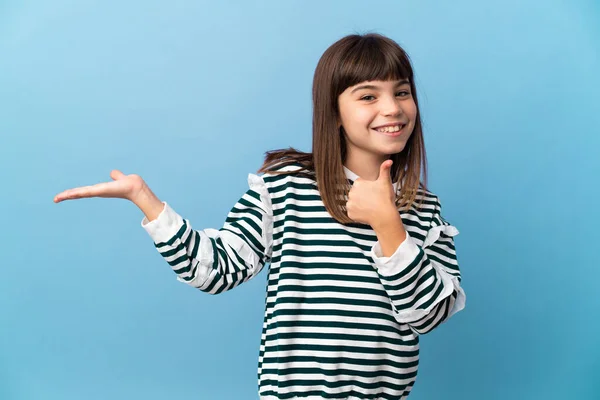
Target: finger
[(98, 190), (116, 174), (385, 171), (70, 194)]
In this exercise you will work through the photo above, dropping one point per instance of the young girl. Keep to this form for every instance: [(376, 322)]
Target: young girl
[(361, 261)]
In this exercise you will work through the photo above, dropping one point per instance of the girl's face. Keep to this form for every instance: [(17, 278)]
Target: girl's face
[(378, 118)]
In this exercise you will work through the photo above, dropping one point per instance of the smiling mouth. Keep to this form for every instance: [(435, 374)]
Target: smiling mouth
[(394, 130)]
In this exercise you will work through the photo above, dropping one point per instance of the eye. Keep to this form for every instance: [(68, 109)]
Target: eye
[(403, 93), (367, 97)]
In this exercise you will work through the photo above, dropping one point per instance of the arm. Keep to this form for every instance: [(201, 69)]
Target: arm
[(422, 282), (213, 260)]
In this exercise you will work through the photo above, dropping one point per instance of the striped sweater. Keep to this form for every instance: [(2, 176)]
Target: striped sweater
[(341, 321)]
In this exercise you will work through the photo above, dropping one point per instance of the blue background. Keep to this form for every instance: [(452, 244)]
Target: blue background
[(190, 94)]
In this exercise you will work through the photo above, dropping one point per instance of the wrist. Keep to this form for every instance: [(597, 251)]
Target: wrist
[(388, 220), (390, 233), (148, 203)]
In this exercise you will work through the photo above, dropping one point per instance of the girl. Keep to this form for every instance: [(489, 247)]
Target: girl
[(361, 261)]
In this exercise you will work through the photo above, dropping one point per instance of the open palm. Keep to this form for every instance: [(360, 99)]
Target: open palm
[(123, 187)]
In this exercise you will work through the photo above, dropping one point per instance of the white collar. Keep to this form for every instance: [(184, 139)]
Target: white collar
[(352, 176)]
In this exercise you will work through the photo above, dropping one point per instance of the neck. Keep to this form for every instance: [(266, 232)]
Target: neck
[(365, 165)]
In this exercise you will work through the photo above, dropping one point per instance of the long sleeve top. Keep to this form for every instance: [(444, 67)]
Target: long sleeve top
[(341, 321)]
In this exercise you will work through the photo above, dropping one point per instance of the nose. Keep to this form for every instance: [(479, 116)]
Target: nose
[(390, 106)]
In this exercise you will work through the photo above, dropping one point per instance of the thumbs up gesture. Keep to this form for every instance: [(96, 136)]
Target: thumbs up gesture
[(372, 202)]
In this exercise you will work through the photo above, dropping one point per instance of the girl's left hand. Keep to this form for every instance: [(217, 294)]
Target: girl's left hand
[(372, 202)]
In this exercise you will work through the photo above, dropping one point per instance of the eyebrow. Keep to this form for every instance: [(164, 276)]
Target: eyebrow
[(374, 87)]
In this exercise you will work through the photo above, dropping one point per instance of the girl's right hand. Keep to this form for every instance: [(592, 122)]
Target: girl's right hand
[(129, 187)]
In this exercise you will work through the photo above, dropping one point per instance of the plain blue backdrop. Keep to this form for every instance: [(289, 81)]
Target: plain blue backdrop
[(190, 94)]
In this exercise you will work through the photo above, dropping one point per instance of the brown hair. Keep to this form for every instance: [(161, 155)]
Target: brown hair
[(349, 61)]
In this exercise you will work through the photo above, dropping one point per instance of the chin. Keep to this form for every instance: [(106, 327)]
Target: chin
[(394, 149)]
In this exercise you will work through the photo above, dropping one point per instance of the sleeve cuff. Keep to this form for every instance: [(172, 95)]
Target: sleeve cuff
[(165, 226), (404, 255)]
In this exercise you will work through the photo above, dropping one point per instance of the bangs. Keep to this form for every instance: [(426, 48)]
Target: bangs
[(372, 58)]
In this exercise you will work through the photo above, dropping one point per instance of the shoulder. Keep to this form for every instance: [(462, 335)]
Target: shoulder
[(431, 210), (281, 177), (426, 207), (426, 200), (288, 171)]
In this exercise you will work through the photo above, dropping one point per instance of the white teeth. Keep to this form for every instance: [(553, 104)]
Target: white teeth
[(394, 128)]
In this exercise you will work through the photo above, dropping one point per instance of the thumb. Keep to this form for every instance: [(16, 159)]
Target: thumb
[(385, 171), (115, 174)]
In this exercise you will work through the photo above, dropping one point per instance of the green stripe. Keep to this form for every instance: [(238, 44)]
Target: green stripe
[(295, 196), (330, 312), (318, 277), (335, 300), (336, 384), (317, 253), (338, 371), (330, 288), (332, 337), (395, 329), (321, 242), (339, 348), (324, 232), (341, 360), (347, 394)]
